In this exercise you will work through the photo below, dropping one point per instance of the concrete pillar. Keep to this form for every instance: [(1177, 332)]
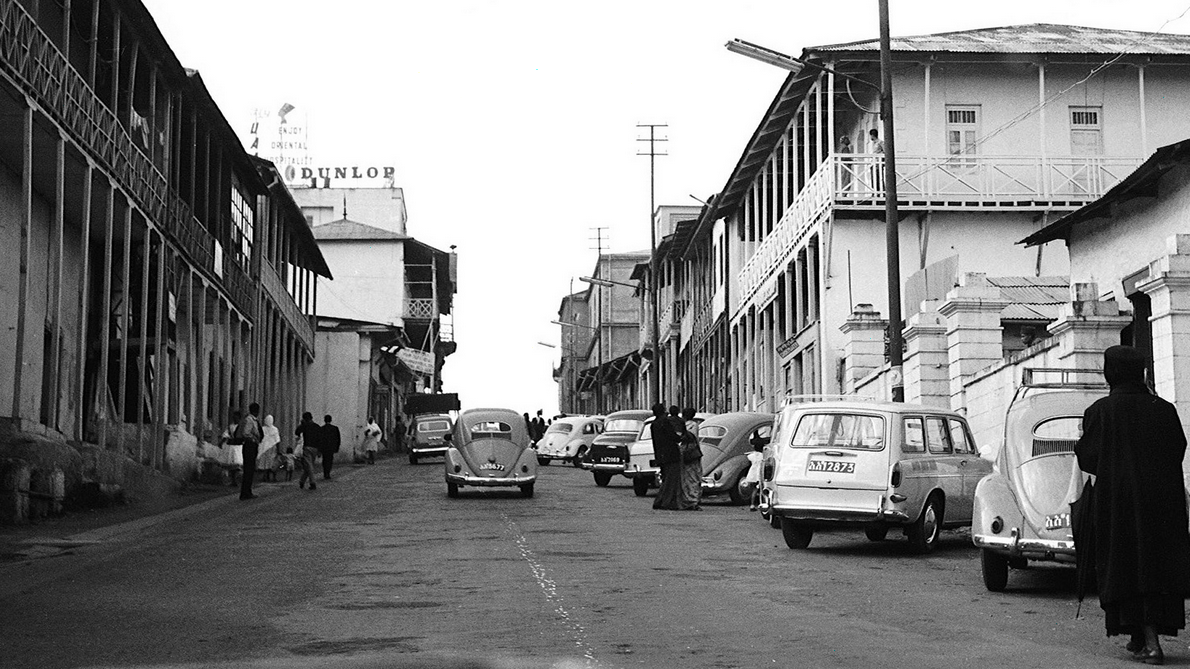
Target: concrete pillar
[(973, 333), (927, 372), (1168, 289), (863, 345), (1086, 326)]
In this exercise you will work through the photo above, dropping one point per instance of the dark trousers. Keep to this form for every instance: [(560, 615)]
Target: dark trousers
[(251, 451), (328, 460), (307, 464)]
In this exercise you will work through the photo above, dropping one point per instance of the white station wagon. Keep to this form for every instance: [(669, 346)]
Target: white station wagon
[(873, 465)]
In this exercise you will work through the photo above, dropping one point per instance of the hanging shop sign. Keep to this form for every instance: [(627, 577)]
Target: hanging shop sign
[(419, 361)]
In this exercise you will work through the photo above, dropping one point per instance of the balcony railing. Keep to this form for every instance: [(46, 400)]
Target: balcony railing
[(420, 309), (30, 57), (274, 287), (947, 182)]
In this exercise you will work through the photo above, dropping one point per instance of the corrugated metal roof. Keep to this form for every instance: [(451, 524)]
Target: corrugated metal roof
[(1031, 38), (348, 229), (1032, 298)]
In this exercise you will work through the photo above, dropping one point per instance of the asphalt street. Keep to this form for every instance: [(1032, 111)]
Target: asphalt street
[(379, 568)]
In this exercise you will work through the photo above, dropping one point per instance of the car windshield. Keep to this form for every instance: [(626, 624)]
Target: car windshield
[(623, 425), (433, 426), (560, 428), (491, 429), (839, 430)]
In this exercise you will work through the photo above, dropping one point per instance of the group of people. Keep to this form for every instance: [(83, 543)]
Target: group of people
[(252, 437), (676, 451), (536, 427)]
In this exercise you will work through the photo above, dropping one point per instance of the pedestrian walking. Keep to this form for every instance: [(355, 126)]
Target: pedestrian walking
[(691, 463), (328, 445), (270, 449), (233, 448), (538, 430), (308, 434), (398, 435), (1133, 444), (250, 434), (286, 462), (668, 457), (372, 435)]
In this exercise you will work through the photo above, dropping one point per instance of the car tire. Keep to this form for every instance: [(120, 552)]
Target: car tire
[(738, 498), (640, 486), (924, 532), (542, 461), (876, 533), (995, 570), (527, 490), (602, 479), (577, 460), (412, 459), (452, 489), (797, 535), (774, 522)]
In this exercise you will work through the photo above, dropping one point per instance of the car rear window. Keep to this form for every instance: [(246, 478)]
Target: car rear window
[(560, 427), (1057, 435), (839, 430), (491, 429), (623, 425), (433, 426), (711, 434)]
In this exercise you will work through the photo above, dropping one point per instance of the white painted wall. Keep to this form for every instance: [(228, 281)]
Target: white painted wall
[(382, 208), (337, 384), (369, 280)]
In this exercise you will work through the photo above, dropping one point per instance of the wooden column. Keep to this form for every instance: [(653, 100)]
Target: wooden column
[(55, 361), (201, 375), (84, 307), (105, 320), (161, 372), (125, 317), (26, 248), (94, 41), (115, 92), (1144, 127), (142, 323)]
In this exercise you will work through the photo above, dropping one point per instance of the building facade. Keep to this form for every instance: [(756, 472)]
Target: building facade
[(999, 132), (155, 275)]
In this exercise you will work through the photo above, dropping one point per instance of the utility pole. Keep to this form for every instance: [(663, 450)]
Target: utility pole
[(891, 219), (599, 239), (652, 153)]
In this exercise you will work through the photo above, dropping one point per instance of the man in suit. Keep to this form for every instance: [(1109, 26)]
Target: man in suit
[(328, 445), (250, 434)]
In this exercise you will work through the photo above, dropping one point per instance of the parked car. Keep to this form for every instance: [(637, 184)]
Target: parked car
[(609, 451), (875, 465), (1021, 511), (490, 447), (568, 439), (428, 433), (641, 468), (725, 441)]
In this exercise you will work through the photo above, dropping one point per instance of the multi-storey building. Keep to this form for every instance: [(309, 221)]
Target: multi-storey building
[(155, 276), (576, 335), (999, 132)]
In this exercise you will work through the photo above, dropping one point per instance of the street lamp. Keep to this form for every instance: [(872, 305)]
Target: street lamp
[(891, 219)]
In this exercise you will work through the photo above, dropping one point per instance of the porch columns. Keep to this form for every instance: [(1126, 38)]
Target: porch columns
[(973, 332), (927, 378), (1086, 327), (1168, 289), (863, 345)]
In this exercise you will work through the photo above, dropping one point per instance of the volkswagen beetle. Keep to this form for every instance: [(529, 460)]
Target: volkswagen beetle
[(568, 439), (726, 440), (1021, 510), (609, 451), (490, 447)]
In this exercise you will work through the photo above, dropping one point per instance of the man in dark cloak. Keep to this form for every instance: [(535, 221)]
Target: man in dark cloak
[(1133, 443), (668, 456)]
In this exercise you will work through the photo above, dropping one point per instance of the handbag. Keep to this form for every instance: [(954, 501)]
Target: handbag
[(691, 452)]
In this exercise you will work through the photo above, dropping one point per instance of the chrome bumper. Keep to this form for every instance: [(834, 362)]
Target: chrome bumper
[(1016, 546), (463, 479), (603, 467), (858, 516), (429, 450)]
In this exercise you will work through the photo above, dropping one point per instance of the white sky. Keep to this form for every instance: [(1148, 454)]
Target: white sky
[(512, 123)]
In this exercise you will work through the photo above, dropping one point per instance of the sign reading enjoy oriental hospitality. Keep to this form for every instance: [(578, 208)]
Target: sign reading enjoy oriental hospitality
[(279, 135)]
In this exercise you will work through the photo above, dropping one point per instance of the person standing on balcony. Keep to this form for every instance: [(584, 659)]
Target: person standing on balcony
[(844, 152), (876, 147)]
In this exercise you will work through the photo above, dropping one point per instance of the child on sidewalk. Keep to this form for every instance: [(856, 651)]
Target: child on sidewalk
[(285, 461)]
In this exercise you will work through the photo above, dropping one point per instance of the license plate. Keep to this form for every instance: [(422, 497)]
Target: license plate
[(1057, 521), (612, 460), (493, 466), (831, 466)]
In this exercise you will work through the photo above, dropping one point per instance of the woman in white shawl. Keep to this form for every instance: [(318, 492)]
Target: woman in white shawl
[(266, 460)]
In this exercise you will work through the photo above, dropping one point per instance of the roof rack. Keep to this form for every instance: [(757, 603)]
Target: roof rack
[(1057, 377), (793, 398)]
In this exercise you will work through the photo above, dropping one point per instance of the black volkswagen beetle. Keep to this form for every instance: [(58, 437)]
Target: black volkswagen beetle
[(609, 452), (726, 440)]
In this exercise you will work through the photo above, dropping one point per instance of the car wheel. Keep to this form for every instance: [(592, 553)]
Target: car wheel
[(876, 533), (774, 521), (602, 478), (995, 570), (542, 461), (640, 486), (412, 459), (797, 535), (527, 490), (923, 533), (737, 496), (577, 460), (452, 489)]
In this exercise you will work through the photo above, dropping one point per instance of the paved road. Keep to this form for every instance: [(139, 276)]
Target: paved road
[(380, 568)]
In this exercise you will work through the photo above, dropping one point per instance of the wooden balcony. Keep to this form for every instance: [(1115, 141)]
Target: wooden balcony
[(274, 288), (419, 309)]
